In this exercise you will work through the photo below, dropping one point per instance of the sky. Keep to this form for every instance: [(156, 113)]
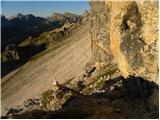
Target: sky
[(42, 8)]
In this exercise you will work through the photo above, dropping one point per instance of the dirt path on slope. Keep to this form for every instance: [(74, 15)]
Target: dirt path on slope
[(36, 76)]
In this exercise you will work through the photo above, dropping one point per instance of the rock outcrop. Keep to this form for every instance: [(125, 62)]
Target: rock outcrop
[(120, 81), (85, 16), (109, 99), (126, 34), (10, 53), (65, 17), (57, 35)]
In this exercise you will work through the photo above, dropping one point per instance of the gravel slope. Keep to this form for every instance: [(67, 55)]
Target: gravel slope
[(36, 76)]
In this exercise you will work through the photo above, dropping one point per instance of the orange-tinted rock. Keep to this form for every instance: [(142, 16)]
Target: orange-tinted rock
[(126, 33)]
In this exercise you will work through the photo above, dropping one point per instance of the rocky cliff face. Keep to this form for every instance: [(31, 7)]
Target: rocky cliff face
[(126, 34)]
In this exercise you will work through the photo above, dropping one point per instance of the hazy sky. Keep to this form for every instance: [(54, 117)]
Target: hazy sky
[(42, 8)]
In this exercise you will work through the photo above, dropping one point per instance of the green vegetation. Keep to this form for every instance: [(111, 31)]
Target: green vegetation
[(35, 40), (47, 96), (96, 82), (99, 84), (106, 72)]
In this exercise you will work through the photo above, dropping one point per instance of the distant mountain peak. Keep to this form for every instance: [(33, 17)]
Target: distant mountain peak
[(4, 20), (63, 17), (19, 15), (68, 13)]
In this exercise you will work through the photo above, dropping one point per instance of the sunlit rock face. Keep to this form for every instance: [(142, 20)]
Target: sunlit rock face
[(126, 33)]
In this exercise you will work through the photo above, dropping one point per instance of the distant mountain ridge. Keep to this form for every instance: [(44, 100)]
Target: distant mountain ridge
[(24, 36), (19, 27), (64, 16)]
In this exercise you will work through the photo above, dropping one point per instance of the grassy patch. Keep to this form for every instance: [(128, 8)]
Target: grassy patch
[(108, 71), (87, 91), (47, 96), (99, 84)]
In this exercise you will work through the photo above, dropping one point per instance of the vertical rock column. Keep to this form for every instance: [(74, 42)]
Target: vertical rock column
[(126, 33), (100, 46)]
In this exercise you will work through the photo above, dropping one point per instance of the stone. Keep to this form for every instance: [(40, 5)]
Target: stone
[(154, 98), (90, 68), (85, 16), (10, 53), (118, 102), (117, 110), (31, 102), (13, 111), (126, 33)]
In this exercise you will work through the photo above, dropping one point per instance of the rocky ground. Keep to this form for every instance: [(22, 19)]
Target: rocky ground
[(94, 93), (110, 96), (82, 76), (36, 76)]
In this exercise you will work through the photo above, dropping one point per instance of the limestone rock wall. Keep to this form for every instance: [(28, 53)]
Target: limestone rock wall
[(126, 33)]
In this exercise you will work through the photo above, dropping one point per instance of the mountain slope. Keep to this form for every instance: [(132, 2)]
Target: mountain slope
[(20, 27), (36, 76), (15, 56)]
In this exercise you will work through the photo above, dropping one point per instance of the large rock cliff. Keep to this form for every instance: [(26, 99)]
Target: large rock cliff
[(126, 34), (124, 44)]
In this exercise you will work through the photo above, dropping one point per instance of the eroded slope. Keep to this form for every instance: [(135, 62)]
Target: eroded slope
[(36, 76)]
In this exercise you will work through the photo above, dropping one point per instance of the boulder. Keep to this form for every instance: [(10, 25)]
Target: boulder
[(154, 98)]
